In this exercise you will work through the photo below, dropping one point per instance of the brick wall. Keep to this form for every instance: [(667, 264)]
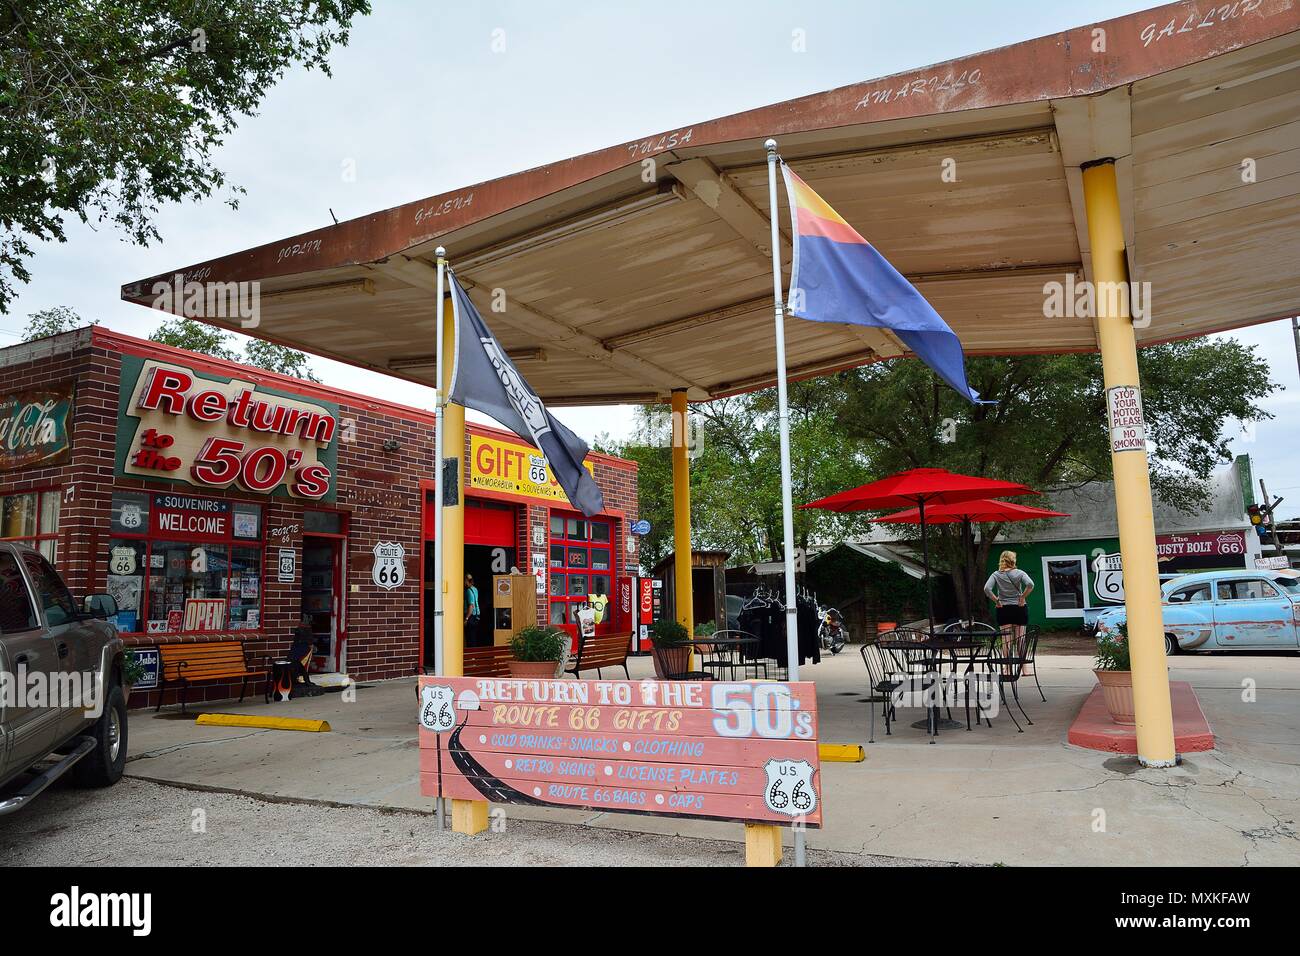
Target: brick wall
[(377, 490)]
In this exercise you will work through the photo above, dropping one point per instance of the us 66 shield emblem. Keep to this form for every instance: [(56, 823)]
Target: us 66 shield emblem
[(790, 787), (389, 571)]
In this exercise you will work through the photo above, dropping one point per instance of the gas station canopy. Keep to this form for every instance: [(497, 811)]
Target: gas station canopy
[(645, 267)]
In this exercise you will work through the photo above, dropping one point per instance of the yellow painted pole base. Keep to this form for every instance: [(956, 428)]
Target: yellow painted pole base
[(469, 816), (263, 723), (762, 845), (842, 753)]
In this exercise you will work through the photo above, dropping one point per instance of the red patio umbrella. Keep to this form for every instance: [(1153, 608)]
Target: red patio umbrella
[(980, 510), (919, 487)]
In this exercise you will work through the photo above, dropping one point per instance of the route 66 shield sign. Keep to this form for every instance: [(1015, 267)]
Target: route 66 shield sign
[(437, 708), (790, 787), (389, 571), (131, 517), (1109, 581), (121, 561)]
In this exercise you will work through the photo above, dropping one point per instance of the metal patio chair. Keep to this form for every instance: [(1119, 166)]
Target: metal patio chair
[(1006, 663)]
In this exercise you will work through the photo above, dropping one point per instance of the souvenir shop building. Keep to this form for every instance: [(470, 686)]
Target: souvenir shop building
[(216, 501)]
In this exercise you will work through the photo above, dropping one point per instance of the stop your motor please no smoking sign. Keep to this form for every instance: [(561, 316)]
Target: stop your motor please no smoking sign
[(1128, 430)]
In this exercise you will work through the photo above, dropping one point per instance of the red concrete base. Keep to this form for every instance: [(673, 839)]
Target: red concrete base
[(1094, 729)]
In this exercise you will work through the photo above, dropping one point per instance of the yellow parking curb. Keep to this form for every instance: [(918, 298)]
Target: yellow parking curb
[(842, 753), (265, 723)]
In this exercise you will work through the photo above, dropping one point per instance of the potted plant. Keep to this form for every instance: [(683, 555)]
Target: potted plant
[(538, 651), (1114, 674), (670, 648), (132, 672)]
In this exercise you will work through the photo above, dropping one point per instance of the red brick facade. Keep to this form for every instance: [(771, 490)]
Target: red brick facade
[(379, 491)]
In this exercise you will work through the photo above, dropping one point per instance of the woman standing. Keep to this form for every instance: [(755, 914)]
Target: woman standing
[(1008, 587)]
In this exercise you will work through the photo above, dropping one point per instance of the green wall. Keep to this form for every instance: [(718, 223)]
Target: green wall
[(1029, 558)]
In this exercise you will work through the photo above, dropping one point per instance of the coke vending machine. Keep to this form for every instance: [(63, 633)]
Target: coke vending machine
[(641, 600)]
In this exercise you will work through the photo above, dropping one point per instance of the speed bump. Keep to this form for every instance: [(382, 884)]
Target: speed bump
[(264, 723)]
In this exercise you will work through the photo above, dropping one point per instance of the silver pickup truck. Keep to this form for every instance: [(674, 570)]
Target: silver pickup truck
[(61, 693)]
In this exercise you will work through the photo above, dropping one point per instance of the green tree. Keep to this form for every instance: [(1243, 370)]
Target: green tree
[(278, 358), (1047, 429), (736, 477), (113, 107), (196, 337), (52, 321)]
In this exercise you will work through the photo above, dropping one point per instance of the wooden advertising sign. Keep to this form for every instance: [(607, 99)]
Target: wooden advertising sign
[(179, 424), (744, 751)]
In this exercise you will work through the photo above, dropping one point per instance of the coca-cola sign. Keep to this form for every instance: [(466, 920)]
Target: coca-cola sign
[(34, 427)]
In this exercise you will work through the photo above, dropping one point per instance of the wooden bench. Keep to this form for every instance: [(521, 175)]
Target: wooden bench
[(187, 664), (606, 650), (491, 661)]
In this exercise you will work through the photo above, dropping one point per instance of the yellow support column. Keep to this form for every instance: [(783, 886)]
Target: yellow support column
[(762, 845), (683, 596), (467, 816), (1137, 533)]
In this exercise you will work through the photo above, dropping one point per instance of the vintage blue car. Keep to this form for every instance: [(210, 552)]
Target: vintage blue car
[(1226, 611)]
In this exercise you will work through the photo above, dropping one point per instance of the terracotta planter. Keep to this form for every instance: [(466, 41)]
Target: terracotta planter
[(534, 669), (671, 660), (1117, 690)]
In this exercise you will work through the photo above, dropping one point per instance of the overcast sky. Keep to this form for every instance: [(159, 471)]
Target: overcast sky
[(420, 103)]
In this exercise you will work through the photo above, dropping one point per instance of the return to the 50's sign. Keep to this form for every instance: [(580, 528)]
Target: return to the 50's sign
[(717, 749)]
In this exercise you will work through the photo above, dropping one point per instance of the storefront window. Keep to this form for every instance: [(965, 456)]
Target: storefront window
[(32, 518), (1065, 578), (578, 571), (152, 574)]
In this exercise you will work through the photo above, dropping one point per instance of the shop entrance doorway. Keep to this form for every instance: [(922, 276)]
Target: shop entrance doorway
[(322, 575), (490, 548), (482, 561)]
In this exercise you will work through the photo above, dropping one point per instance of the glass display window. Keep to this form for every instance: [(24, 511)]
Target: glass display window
[(152, 574)]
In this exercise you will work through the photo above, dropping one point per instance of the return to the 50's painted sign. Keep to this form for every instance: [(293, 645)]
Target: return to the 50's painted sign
[(717, 749)]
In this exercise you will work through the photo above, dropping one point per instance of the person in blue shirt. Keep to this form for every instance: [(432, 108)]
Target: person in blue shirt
[(471, 610)]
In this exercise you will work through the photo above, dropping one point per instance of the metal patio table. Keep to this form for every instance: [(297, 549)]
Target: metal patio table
[(928, 656)]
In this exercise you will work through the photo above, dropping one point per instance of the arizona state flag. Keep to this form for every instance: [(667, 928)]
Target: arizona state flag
[(837, 276), (484, 378)]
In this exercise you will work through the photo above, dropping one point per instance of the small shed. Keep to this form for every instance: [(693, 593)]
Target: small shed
[(708, 586)]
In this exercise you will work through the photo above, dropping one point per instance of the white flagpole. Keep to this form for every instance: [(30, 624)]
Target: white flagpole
[(787, 507), (438, 406)]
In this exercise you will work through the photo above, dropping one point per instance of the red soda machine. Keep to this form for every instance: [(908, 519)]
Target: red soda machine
[(641, 602)]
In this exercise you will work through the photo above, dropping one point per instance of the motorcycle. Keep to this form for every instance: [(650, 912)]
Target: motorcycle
[(831, 632)]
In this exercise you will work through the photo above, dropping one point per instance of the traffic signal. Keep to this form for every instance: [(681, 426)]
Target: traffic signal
[(1261, 517)]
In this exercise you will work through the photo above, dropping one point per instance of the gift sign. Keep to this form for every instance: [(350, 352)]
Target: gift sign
[(717, 749)]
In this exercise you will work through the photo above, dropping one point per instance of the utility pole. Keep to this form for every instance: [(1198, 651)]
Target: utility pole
[(1272, 521)]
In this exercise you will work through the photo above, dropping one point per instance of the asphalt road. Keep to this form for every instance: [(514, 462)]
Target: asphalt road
[(143, 823)]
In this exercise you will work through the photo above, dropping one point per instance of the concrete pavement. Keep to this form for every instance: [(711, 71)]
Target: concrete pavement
[(990, 795)]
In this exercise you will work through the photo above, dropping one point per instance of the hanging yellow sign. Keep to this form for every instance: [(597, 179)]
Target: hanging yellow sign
[(512, 468)]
